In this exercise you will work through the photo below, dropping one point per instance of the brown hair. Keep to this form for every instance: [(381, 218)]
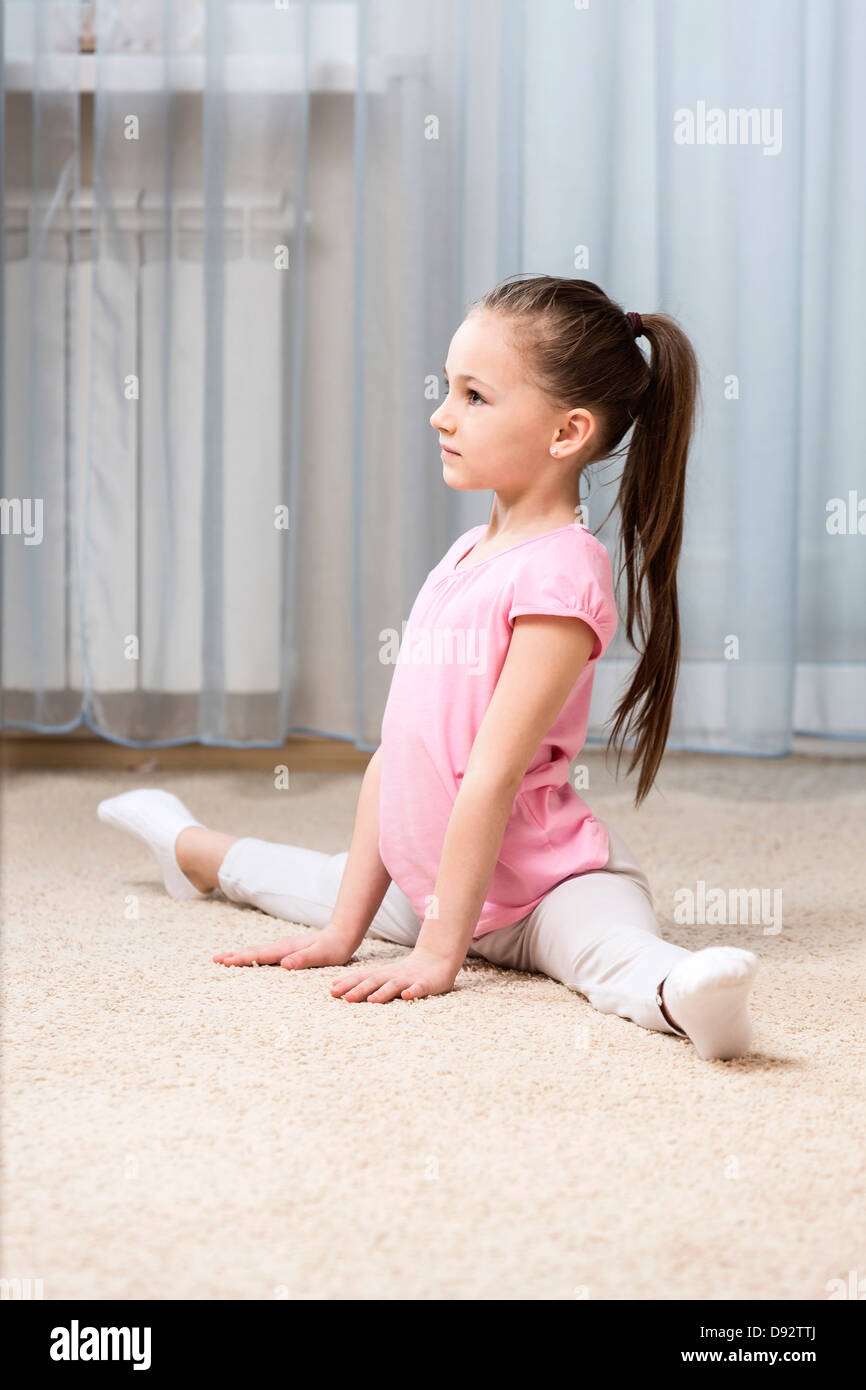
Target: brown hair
[(580, 350)]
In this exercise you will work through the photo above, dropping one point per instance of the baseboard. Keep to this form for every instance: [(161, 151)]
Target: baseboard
[(300, 753)]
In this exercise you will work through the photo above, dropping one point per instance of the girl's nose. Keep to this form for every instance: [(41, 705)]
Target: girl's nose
[(441, 417)]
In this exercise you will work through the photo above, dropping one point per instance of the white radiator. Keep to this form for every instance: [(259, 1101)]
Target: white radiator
[(138, 464)]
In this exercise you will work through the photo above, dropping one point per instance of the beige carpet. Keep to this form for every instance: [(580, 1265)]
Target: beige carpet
[(174, 1129)]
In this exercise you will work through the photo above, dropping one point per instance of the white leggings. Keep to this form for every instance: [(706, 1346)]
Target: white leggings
[(597, 932)]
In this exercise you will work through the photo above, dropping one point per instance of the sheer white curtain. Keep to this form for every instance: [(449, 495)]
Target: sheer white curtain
[(237, 239), (707, 159)]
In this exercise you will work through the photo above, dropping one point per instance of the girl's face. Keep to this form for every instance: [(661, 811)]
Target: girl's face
[(498, 424)]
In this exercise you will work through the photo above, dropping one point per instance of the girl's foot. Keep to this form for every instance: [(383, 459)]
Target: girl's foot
[(156, 817), (707, 996)]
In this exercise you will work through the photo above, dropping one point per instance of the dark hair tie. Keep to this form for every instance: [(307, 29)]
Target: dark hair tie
[(636, 323)]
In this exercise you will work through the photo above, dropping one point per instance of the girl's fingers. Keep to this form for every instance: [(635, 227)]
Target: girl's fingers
[(256, 955), (378, 991), (386, 992), (416, 991), (362, 989), (295, 959), (349, 981)]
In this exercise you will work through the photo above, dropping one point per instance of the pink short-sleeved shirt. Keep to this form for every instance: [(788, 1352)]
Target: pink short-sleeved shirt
[(453, 648)]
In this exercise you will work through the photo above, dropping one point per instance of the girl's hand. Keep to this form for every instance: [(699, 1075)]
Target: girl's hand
[(329, 947), (412, 977)]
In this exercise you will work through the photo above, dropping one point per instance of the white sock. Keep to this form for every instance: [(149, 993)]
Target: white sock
[(708, 996), (156, 817)]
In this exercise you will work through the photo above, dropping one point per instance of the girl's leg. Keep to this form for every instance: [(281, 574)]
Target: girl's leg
[(288, 881), (599, 935), (301, 885), (200, 852)]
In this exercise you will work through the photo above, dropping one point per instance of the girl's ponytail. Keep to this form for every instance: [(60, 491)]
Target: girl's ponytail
[(652, 503)]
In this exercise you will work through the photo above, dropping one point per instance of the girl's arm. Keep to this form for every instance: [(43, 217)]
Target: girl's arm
[(365, 879)]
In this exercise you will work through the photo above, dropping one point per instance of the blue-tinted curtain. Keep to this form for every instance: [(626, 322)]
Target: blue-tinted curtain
[(237, 239)]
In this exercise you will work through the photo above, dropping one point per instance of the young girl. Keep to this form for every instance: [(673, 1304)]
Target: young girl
[(469, 837)]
